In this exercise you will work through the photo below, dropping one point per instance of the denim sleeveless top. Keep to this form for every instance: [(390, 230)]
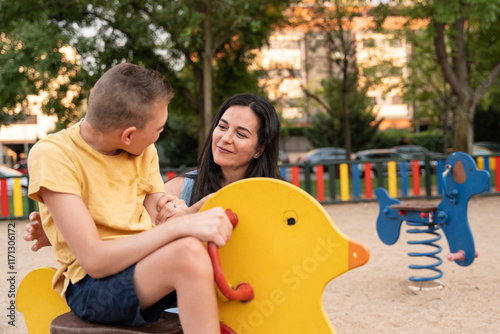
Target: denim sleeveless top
[(187, 188)]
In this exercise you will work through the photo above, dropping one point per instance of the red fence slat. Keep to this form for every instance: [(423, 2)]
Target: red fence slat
[(320, 185), (368, 180), (416, 177), (5, 198)]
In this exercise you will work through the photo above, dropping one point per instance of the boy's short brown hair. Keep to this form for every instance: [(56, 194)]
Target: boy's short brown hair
[(123, 96)]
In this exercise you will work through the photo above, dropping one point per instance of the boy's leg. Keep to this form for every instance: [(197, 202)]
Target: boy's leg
[(183, 265)]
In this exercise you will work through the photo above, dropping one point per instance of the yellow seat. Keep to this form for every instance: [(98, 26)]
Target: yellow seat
[(287, 248), (38, 302)]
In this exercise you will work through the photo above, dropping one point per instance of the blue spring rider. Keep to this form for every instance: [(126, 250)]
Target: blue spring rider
[(461, 180)]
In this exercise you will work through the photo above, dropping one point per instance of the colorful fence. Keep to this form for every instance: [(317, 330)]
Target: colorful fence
[(14, 202), (346, 181), (340, 182)]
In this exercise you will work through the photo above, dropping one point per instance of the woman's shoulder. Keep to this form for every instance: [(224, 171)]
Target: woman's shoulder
[(174, 186)]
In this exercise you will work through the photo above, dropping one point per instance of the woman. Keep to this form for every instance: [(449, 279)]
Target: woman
[(244, 142)]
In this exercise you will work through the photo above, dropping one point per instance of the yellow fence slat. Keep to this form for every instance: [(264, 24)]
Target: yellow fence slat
[(344, 182), (17, 198), (393, 184), (480, 163)]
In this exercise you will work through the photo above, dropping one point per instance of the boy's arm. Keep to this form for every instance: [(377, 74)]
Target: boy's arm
[(101, 258)]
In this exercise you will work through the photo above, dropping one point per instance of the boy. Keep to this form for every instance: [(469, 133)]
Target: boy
[(99, 186)]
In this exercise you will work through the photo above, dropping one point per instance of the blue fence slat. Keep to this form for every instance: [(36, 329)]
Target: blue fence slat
[(355, 181), (404, 178), (487, 168), (283, 173)]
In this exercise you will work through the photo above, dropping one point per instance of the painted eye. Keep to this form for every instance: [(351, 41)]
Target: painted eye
[(290, 217)]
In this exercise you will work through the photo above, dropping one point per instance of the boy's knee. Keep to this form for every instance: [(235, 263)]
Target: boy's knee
[(193, 255)]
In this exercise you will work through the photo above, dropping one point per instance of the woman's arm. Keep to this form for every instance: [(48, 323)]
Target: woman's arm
[(174, 186)]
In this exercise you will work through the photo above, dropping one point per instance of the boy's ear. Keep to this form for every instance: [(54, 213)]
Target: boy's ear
[(128, 134)]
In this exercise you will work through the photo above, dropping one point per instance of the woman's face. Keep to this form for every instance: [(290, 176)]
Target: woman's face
[(234, 140)]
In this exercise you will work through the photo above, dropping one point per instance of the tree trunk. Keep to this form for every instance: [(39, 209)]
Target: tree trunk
[(345, 107), (207, 81), (461, 129)]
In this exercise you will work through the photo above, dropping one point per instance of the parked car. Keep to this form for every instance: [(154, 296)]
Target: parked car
[(416, 152), (386, 154), (490, 145), (323, 155), (21, 166), (7, 172), (480, 150)]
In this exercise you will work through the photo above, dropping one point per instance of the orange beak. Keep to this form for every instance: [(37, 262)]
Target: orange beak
[(358, 254)]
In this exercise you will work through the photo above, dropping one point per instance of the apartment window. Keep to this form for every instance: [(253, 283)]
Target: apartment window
[(395, 43), (397, 99), (285, 44), (396, 71), (30, 119), (369, 43)]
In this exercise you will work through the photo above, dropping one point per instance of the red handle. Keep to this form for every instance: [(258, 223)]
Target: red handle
[(243, 291)]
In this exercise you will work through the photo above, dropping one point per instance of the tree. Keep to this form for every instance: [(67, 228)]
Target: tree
[(327, 128), (330, 26), (467, 48), (33, 60), (425, 88), (182, 39)]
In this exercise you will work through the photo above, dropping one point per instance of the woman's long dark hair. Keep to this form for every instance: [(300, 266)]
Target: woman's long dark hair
[(209, 173)]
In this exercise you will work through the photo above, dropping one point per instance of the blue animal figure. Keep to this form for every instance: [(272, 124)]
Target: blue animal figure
[(461, 180)]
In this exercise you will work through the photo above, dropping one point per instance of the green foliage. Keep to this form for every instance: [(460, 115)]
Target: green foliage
[(169, 37), (30, 59), (327, 128), (464, 34), (487, 120), (179, 141), (231, 76), (425, 87), (390, 137), (290, 131), (432, 139)]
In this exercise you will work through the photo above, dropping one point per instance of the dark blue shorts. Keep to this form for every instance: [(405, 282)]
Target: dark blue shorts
[(113, 300)]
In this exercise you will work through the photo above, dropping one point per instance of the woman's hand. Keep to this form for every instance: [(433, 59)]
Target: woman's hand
[(168, 206)]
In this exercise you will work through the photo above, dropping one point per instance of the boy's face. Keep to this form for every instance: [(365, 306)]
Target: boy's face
[(149, 135)]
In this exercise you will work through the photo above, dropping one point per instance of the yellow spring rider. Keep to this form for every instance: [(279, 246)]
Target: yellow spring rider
[(283, 251)]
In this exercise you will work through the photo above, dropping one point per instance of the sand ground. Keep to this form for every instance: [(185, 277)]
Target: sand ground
[(375, 298)]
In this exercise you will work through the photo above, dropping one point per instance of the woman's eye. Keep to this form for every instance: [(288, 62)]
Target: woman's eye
[(241, 134), (222, 127)]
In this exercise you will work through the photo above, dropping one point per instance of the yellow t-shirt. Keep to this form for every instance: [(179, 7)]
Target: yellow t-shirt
[(112, 187)]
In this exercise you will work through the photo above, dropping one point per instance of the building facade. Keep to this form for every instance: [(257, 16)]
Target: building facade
[(299, 57)]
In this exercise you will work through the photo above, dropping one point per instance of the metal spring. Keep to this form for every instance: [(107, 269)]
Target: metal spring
[(430, 228)]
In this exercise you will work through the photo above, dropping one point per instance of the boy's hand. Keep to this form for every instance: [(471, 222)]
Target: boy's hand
[(36, 232), (211, 225), (167, 206)]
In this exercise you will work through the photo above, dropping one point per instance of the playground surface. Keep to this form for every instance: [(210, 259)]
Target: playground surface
[(374, 298)]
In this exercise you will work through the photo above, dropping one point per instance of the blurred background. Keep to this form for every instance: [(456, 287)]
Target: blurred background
[(344, 76)]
